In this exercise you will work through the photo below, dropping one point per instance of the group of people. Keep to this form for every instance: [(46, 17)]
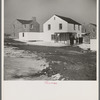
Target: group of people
[(79, 40)]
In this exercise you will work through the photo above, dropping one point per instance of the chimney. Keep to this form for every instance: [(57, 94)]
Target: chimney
[(34, 18)]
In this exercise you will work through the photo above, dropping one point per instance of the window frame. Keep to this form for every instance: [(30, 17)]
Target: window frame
[(53, 36), (49, 26), (79, 27), (60, 26), (23, 35), (31, 26), (74, 27)]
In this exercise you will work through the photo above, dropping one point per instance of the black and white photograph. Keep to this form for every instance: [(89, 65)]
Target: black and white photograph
[(50, 40)]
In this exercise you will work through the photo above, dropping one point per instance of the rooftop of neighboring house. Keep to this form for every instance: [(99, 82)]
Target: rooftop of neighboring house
[(27, 21), (24, 21), (93, 24), (90, 30), (69, 20)]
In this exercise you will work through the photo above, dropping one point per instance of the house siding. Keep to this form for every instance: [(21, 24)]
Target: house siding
[(54, 22), (35, 28), (41, 36), (17, 27), (77, 28)]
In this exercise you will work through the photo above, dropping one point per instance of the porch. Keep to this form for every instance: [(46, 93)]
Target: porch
[(64, 37)]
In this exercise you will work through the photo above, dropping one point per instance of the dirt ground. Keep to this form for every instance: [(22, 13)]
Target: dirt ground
[(29, 62), (20, 64)]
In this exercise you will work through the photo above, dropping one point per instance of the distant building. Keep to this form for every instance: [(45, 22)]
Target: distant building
[(91, 34), (90, 29), (86, 35), (20, 25), (93, 31), (93, 37)]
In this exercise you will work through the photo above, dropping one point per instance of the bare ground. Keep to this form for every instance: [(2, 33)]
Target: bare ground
[(20, 64), (28, 62)]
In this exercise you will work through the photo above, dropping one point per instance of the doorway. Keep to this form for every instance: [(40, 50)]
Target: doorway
[(71, 37)]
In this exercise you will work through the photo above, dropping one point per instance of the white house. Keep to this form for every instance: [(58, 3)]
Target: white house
[(61, 24), (56, 29), (62, 28)]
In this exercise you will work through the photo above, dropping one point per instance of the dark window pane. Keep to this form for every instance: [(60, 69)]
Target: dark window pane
[(31, 25), (23, 34), (74, 26), (53, 37), (49, 27), (78, 27), (60, 26)]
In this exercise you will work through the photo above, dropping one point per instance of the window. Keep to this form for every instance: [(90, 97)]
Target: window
[(54, 18), (23, 34), (24, 25), (74, 26), (60, 26), (49, 27), (53, 37), (78, 27), (31, 26)]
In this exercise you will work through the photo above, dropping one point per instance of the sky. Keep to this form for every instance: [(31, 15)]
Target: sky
[(82, 11)]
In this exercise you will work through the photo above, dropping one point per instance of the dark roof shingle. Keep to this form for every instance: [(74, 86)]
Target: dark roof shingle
[(24, 21), (69, 20)]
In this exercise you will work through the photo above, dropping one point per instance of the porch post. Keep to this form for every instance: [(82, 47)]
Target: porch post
[(59, 38), (65, 37), (56, 37)]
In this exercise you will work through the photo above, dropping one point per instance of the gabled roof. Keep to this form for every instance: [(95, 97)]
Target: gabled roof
[(69, 20), (24, 21), (93, 24)]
